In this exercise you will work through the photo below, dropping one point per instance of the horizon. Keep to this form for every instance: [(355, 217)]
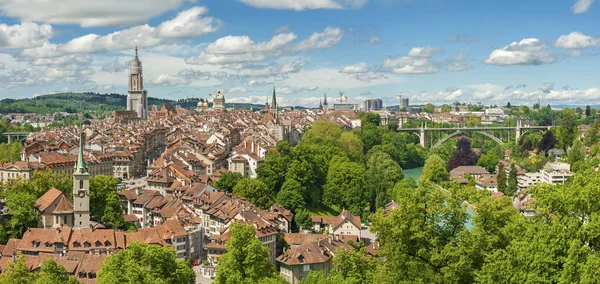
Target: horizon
[(430, 51)]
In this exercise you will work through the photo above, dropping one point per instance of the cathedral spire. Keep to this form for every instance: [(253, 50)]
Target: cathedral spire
[(80, 167), (274, 99)]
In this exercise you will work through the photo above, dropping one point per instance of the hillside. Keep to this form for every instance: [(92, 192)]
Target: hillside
[(90, 102)]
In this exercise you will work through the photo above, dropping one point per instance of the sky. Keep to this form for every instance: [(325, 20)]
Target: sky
[(431, 51)]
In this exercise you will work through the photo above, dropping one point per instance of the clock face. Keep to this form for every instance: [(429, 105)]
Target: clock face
[(81, 194)]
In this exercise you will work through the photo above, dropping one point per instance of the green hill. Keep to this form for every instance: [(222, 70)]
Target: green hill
[(89, 102)]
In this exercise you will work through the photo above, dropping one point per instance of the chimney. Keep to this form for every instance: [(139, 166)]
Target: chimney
[(14, 255)]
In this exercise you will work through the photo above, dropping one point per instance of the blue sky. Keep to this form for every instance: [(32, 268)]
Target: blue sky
[(429, 50)]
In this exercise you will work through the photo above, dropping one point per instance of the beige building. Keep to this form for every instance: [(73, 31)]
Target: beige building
[(10, 172), (345, 224), (55, 210)]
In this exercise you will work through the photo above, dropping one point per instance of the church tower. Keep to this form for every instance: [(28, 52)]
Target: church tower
[(325, 106), (137, 98), (274, 105), (81, 189)]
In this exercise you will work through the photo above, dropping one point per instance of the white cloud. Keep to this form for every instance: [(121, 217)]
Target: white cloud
[(238, 90), (115, 66), (357, 68), (426, 51), (186, 24), (282, 29), (254, 83), (25, 35), (581, 6), (529, 51), (369, 76), (236, 49), (189, 24), (374, 40), (547, 87), (409, 65), (168, 80), (241, 49), (319, 40), (284, 90), (300, 5), (87, 13), (576, 40), (458, 62), (270, 70)]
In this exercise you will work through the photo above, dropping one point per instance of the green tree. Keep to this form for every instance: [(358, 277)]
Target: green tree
[(303, 219), (113, 211), (346, 186), (101, 187), (434, 170), (429, 108), (291, 195), (445, 108), (145, 263), (17, 272), (246, 259), (501, 179), (591, 134), (381, 175), (568, 125), (355, 266), (255, 191), (513, 182), (42, 181), (369, 118), (52, 272), (488, 161), (577, 152), (473, 121), (21, 207), (352, 145), (228, 180)]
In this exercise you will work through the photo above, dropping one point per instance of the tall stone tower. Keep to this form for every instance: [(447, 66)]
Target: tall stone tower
[(219, 101), (137, 99), (274, 105), (325, 106), (81, 189)]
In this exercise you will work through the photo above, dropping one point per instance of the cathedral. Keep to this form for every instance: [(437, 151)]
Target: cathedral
[(137, 97)]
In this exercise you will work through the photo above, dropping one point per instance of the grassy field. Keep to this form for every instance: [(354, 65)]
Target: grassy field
[(324, 210)]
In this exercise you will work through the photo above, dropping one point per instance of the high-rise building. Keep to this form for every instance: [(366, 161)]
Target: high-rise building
[(137, 98), (404, 103), (373, 104), (81, 189)]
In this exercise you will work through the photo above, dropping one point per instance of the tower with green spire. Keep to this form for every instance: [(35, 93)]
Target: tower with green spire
[(81, 188)]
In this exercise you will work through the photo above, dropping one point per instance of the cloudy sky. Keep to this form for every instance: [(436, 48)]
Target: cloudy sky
[(435, 51)]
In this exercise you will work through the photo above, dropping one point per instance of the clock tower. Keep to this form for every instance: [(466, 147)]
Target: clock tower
[(81, 189), (137, 96)]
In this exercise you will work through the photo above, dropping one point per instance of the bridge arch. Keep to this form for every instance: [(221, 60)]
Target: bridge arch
[(443, 140)]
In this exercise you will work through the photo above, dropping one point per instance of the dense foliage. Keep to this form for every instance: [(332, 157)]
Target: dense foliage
[(145, 263), (18, 272)]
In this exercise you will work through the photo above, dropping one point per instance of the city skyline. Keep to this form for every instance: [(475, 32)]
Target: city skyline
[(428, 51)]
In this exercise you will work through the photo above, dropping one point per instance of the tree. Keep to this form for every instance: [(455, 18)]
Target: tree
[(473, 121), (370, 118), (255, 191), (246, 259), (303, 219), (429, 108), (501, 179), (381, 175), (445, 108), (352, 145), (463, 156), (591, 134), (42, 181), (21, 207), (113, 211), (51, 272), (577, 152), (346, 186), (488, 161), (434, 170), (17, 272), (228, 180), (291, 195), (513, 183), (588, 110), (355, 266), (548, 142), (101, 187), (569, 127), (145, 263)]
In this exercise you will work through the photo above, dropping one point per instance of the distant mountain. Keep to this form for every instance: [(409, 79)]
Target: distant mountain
[(92, 102)]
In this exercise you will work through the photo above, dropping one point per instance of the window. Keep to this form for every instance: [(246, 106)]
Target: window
[(180, 240), (86, 244), (107, 243), (76, 244), (81, 184), (182, 247), (47, 244), (98, 243), (34, 244)]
